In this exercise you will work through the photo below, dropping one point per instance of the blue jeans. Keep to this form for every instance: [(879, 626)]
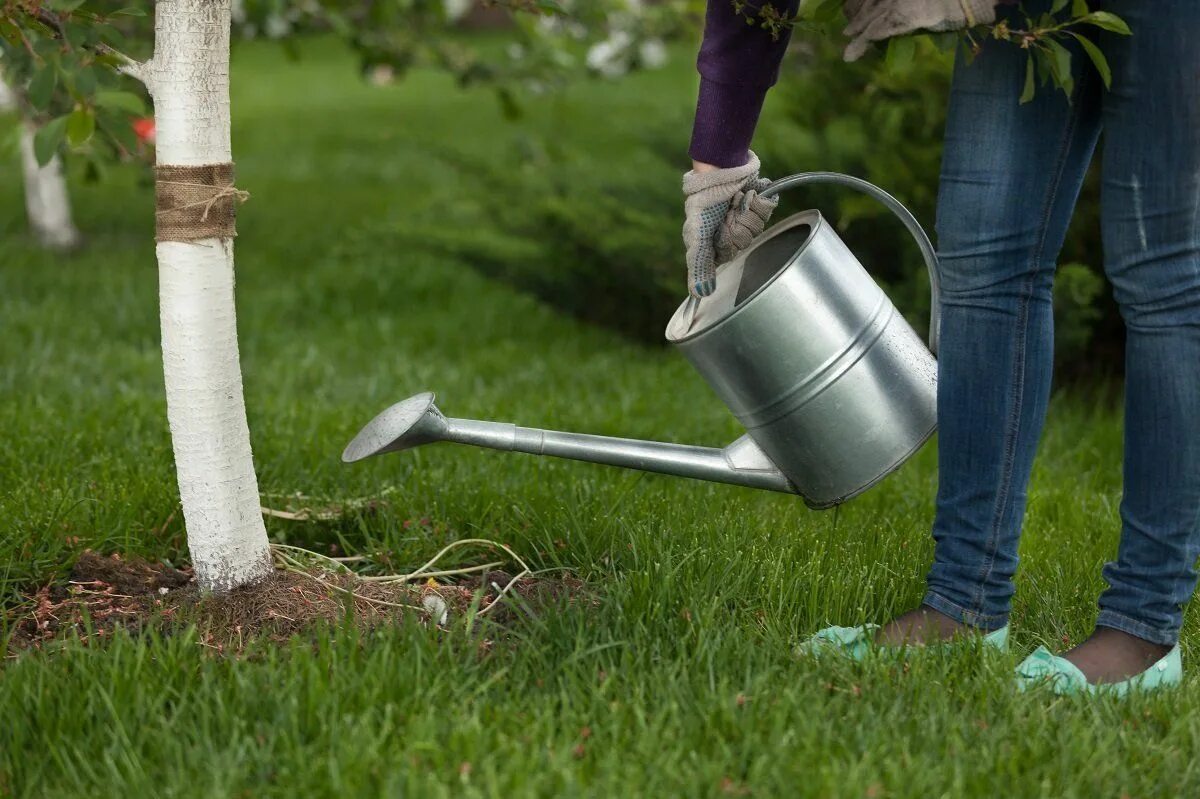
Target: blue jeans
[(1010, 177)]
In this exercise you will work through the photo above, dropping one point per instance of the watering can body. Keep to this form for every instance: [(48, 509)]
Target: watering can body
[(814, 360), (833, 386)]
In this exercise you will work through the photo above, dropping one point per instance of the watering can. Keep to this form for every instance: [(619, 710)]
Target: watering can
[(833, 386)]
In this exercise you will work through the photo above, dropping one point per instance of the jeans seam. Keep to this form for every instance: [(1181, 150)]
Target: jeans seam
[(972, 618), (1127, 624), (1018, 363)]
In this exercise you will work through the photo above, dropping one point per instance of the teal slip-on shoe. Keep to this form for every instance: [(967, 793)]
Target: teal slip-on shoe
[(1045, 670), (856, 642)]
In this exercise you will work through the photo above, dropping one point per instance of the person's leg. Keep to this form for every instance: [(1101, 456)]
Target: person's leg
[(1010, 177), (1151, 222)]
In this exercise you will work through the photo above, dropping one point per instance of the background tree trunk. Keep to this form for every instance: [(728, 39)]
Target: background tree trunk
[(189, 81), (47, 202)]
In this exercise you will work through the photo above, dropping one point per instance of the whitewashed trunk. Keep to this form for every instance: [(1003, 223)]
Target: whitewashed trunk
[(47, 202), (8, 100), (189, 81)]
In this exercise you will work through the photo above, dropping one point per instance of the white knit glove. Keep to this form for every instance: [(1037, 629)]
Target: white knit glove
[(724, 213), (875, 20)]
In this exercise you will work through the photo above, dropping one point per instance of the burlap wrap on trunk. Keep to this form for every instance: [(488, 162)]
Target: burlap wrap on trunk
[(195, 202)]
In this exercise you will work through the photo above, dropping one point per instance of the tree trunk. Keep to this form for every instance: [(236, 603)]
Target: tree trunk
[(47, 202), (188, 78)]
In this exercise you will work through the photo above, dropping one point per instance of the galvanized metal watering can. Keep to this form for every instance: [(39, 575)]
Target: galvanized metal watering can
[(833, 386)]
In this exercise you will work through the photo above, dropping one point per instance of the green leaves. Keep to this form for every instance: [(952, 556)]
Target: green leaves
[(76, 128), (1058, 61), (1030, 89), (1097, 57), (81, 124), (1043, 38), (1106, 20), (41, 86), (121, 101), (1041, 35), (48, 139), (63, 59)]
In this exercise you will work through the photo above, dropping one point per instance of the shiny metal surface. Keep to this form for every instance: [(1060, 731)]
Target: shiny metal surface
[(813, 359), (416, 421), (928, 253), (834, 387)]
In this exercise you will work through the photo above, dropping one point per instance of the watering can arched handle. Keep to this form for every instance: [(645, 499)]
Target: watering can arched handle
[(897, 208)]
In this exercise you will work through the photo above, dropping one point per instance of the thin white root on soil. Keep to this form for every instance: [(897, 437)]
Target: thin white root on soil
[(502, 592), (463, 542), (296, 566), (289, 557), (403, 578)]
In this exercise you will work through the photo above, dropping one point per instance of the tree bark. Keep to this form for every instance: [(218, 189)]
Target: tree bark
[(188, 78)]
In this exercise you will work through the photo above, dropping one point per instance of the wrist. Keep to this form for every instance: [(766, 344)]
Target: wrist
[(701, 167)]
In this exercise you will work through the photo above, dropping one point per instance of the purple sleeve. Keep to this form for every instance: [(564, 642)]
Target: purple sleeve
[(738, 62)]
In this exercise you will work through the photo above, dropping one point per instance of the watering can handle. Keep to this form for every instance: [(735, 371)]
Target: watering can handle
[(897, 208)]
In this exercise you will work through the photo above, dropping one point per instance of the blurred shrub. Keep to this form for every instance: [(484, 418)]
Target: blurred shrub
[(602, 245), (1077, 291)]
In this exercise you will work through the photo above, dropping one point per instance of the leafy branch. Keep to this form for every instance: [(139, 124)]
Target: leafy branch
[(63, 62), (1042, 36)]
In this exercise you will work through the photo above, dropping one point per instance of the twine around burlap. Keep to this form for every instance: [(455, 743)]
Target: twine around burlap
[(195, 202)]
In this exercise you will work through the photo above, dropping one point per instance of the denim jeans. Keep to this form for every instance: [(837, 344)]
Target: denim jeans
[(1010, 177)]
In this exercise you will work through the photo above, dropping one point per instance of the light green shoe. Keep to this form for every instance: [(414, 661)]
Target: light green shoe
[(856, 642), (1045, 670)]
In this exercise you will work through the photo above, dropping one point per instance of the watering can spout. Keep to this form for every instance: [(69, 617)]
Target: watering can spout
[(416, 421)]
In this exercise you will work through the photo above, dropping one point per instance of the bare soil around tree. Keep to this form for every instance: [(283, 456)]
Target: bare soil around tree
[(104, 594)]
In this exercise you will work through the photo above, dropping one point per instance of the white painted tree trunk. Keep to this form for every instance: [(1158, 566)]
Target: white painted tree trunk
[(47, 201), (188, 77), (8, 102)]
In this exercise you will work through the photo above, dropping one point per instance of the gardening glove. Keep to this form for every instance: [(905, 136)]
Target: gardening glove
[(875, 20), (724, 212)]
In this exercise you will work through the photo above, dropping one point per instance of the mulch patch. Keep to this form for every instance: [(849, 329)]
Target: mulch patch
[(104, 594)]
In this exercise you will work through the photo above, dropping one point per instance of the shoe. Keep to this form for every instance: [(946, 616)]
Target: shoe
[(856, 642), (1061, 676)]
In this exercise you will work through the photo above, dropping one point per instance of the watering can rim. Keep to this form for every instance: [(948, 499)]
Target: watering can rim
[(811, 217)]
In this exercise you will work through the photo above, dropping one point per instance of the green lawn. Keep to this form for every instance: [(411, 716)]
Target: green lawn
[(679, 683)]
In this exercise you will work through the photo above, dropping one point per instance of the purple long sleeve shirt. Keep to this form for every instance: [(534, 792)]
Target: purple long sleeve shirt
[(738, 63)]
